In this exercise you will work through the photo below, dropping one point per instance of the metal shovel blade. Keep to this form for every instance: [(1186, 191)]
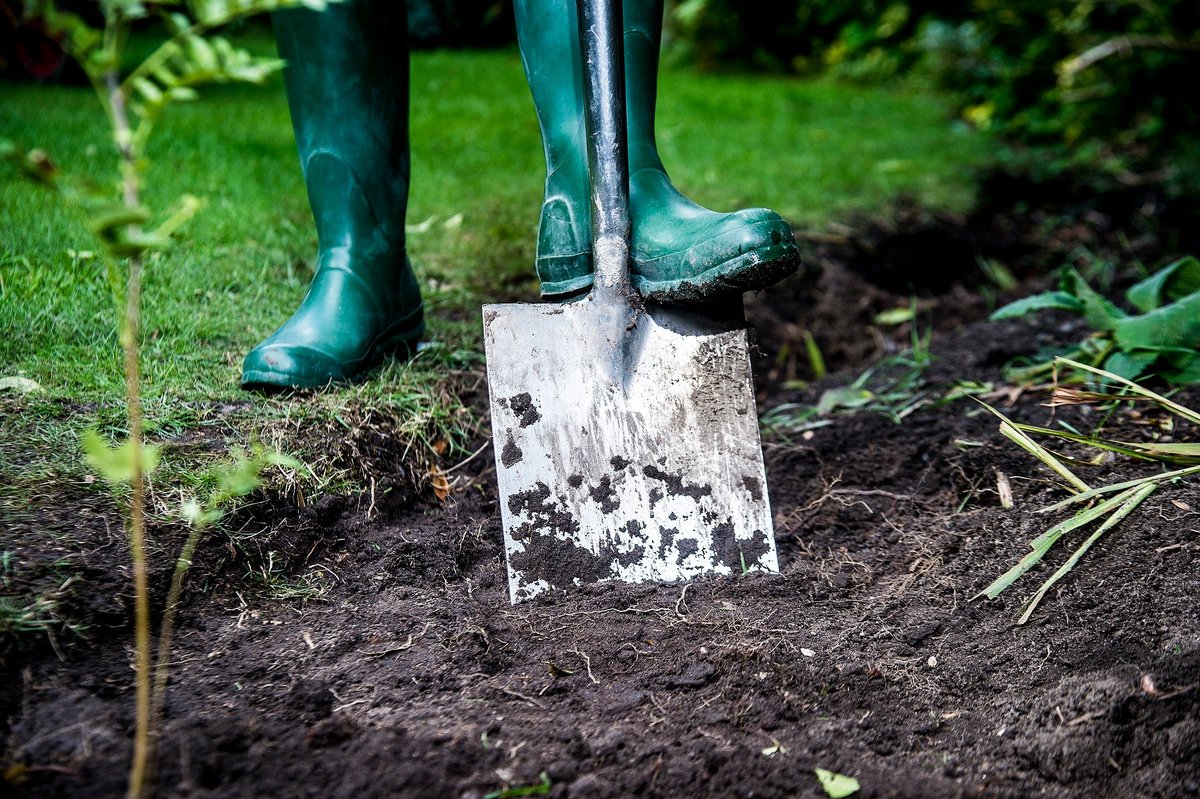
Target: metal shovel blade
[(624, 451)]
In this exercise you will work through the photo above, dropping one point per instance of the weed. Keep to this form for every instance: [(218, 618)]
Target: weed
[(312, 584), (31, 613), (1109, 504), (541, 788), (1161, 338), (893, 387), (26, 615)]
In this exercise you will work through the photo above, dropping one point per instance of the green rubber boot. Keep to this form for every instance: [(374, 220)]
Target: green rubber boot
[(681, 252), (347, 89)]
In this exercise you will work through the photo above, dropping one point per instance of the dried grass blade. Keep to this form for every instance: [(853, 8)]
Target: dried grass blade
[(1063, 395), (1120, 513), (1174, 407)]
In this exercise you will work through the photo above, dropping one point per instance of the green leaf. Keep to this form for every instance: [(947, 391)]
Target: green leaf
[(540, 789), (1170, 283), (104, 219), (1099, 312), (1057, 300), (1130, 365), (896, 316), (1184, 371), (1176, 325), (148, 90), (845, 398), (115, 464), (836, 785), (202, 54)]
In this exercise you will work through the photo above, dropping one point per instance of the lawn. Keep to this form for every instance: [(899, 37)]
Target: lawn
[(815, 151)]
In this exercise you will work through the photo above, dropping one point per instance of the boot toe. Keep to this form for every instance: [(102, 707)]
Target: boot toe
[(743, 251), (275, 365)]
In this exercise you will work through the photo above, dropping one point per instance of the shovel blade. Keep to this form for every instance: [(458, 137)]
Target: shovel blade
[(625, 454)]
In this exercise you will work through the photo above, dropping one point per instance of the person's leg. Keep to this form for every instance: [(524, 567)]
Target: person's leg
[(681, 252), (347, 89)]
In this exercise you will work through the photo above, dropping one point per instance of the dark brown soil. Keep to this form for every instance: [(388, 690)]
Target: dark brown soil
[(411, 676)]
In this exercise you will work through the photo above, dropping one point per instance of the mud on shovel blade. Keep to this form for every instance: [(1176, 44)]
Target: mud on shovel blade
[(626, 437)]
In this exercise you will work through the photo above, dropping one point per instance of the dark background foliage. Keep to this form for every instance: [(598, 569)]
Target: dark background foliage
[(1100, 91)]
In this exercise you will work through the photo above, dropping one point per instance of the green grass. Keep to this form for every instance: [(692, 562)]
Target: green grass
[(815, 151)]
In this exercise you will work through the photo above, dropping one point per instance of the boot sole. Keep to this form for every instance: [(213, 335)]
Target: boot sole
[(749, 271), (399, 339)]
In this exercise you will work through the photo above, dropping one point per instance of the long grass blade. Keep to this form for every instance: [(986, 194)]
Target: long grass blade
[(1042, 544), (1096, 492), (1014, 434), (1090, 514), (1174, 407), (1127, 507)]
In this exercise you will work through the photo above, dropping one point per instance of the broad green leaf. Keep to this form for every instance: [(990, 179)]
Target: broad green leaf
[(1174, 326), (115, 464), (836, 785), (1130, 365), (1183, 371), (1057, 300), (1168, 284), (1099, 312)]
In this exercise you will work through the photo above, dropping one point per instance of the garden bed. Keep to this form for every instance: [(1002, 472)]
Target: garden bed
[(364, 646)]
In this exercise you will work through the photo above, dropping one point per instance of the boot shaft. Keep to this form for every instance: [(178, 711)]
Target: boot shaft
[(347, 83), (548, 31)]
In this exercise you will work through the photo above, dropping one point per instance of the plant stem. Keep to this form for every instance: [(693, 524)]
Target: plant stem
[(167, 627), (142, 744)]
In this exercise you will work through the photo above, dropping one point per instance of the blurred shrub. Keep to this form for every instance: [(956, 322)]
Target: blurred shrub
[(1102, 89), (1108, 87), (796, 35)]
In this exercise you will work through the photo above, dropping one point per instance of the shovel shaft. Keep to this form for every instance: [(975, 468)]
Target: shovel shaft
[(608, 162)]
